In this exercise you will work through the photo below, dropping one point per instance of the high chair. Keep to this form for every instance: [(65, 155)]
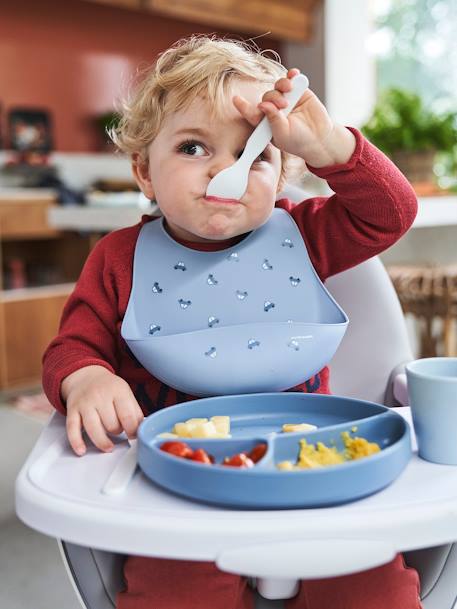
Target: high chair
[(370, 358)]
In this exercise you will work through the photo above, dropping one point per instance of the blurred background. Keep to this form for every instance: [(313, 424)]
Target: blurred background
[(387, 67)]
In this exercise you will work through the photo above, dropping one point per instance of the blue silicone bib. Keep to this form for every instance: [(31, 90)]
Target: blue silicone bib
[(251, 318)]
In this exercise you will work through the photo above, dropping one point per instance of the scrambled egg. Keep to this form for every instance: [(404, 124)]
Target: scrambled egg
[(358, 448), (320, 455)]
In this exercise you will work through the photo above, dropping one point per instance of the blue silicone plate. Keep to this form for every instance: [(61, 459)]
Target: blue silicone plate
[(258, 418)]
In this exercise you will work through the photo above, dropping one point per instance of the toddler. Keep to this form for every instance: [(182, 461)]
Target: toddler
[(189, 119)]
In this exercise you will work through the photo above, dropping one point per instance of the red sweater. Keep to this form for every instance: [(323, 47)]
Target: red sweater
[(372, 207)]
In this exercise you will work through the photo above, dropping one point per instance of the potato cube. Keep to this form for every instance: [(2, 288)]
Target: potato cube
[(192, 425), (286, 466), (204, 430), (290, 427), (182, 430), (222, 425)]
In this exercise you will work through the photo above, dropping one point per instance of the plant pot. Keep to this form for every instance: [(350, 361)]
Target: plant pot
[(416, 165)]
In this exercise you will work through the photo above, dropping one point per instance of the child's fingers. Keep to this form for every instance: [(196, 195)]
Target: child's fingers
[(109, 419), (292, 72), (278, 122), (283, 85), (96, 432), (276, 98), (74, 432), (273, 113), (130, 414), (248, 111)]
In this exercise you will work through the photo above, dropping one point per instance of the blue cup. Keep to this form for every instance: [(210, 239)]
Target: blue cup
[(432, 391)]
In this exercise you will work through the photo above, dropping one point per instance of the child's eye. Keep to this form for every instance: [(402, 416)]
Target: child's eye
[(192, 148)]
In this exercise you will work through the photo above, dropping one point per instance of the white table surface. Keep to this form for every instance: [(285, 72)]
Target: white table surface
[(60, 495)]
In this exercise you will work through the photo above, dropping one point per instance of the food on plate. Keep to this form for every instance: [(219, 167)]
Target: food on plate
[(201, 456), (184, 451), (222, 425), (246, 459), (178, 449), (320, 455), (289, 427), (257, 452), (239, 460), (215, 427), (358, 448)]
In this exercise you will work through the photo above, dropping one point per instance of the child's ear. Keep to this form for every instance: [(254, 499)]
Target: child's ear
[(140, 169)]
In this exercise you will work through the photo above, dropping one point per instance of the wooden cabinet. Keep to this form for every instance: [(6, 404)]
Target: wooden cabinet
[(47, 262), (285, 19), (28, 321), (135, 4)]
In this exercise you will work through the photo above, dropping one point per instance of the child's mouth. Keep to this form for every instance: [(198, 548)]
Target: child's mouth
[(221, 200)]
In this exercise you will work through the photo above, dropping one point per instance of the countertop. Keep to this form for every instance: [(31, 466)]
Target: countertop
[(433, 212), (9, 195), (97, 219)]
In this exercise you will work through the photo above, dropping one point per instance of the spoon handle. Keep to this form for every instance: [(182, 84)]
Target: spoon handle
[(123, 471), (261, 135)]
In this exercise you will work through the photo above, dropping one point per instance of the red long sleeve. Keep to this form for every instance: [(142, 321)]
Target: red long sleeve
[(372, 207)]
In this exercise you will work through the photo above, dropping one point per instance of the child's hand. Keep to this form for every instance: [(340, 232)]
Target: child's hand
[(98, 401), (307, 132)]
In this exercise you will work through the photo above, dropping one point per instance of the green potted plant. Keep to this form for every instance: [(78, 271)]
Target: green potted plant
[(410, 134)]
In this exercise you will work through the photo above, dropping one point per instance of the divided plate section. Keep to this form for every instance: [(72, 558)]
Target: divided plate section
[(385, 429), (258, 419)]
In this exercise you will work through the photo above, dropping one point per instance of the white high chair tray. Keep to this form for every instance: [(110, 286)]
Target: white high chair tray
[(60, 495)]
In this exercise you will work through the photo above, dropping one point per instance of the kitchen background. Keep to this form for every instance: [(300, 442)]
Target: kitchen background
[(63, 65)]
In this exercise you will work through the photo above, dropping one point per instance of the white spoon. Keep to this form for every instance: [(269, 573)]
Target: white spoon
[(123, 472), (231, 183)]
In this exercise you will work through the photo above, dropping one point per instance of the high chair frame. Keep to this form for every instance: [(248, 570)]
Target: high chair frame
[(371, 356)]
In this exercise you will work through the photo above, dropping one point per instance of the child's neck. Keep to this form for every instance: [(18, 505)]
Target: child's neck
[(206, 246)]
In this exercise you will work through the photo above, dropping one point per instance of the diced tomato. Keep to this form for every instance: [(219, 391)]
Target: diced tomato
[(201, 456), (179, 449), (258, 452), (239, 460)]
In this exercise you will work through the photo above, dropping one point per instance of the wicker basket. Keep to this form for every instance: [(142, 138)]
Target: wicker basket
[(416, 165), (429, 293)]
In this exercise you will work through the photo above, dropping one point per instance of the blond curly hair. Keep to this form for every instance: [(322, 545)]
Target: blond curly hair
[(200, 65)]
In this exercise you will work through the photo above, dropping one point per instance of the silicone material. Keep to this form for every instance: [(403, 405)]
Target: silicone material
[(432, 390), (231, 183), (258, 419), (253, 317)]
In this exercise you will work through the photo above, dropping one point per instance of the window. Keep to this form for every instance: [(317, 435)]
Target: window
[(416, 48)]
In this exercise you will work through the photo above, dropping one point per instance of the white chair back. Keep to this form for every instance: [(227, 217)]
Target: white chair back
[(376, 342)]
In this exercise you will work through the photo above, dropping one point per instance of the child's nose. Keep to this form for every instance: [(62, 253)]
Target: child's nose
[(221, 162)]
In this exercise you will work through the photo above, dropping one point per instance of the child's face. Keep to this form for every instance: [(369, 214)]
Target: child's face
[(189, 150)]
